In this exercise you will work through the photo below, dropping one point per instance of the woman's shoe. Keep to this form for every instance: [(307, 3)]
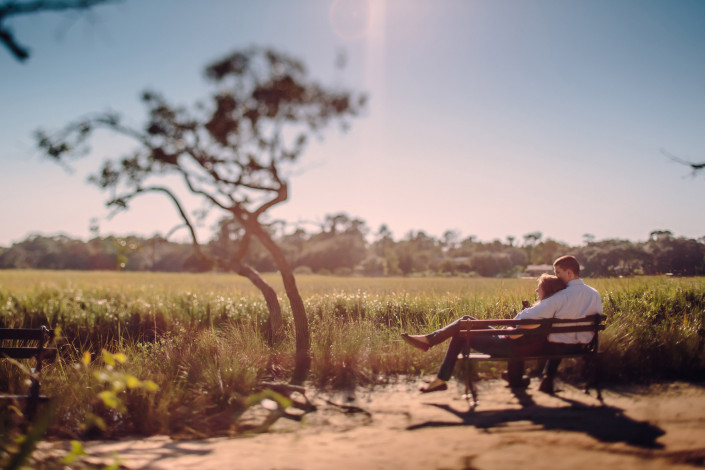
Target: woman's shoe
[(437, 387), (415, 342)]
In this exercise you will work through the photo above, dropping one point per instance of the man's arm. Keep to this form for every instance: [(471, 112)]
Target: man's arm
[(544, 309)]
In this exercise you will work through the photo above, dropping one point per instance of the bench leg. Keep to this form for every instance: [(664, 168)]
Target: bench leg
[(473, 390), (469, 373), (592, 364), (33, 398), (596, 377)]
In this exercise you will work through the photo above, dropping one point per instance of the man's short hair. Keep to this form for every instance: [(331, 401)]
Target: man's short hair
[(568, 262)]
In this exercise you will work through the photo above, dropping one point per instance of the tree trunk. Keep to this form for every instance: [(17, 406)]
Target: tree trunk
[(276, 325), (303, 336)]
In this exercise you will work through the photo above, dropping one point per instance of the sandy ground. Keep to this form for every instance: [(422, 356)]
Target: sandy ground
[(396, 427)]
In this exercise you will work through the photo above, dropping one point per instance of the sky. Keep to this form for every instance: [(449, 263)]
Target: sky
[(492, 118)]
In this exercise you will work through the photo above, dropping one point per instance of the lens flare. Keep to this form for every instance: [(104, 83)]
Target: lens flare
[(351, 19)]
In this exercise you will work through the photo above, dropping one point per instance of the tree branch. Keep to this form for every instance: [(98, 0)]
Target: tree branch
[(195, 190), (17, 8), (282, 195), (695, 166), (244, 246), (13, 8), (6, 37), (168, 193)]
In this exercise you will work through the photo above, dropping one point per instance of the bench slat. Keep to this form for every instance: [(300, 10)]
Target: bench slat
[(531, 331), (487, 357), (35, 334), (47, 354), (23, 397), (484, 324)]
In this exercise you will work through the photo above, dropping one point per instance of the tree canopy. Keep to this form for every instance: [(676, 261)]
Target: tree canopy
[(232, 152), (349, 252)]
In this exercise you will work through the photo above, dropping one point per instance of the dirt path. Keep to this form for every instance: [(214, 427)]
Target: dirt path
[(661, 426)]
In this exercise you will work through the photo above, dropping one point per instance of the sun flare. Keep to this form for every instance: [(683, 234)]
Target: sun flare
[(351, 19)]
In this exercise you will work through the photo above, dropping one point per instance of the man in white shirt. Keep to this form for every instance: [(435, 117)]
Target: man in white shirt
[(577, 300)]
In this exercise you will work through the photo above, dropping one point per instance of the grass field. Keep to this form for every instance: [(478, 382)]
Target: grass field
[(200, 338)]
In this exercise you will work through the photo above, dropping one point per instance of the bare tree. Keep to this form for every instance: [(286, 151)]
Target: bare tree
[(232, 153), (16, 8)]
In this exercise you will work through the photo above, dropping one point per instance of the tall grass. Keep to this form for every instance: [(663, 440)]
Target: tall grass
[(200, 337)]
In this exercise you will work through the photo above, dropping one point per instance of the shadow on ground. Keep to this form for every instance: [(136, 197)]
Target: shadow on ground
[(605, 423), (151, 452)]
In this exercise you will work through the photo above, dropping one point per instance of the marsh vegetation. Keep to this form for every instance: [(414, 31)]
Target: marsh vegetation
[(201, 338)]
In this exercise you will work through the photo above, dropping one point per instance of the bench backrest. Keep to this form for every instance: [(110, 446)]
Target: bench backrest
[(593, 323), (37, 334), (40, 336)]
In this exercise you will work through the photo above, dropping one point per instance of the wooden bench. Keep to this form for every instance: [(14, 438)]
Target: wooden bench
[(470, 328), (28, 343)]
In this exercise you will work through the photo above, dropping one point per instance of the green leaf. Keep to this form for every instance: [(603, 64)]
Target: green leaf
[(113, 466), (132, 381), (108, 358), (76, 451), (118, 385), (150, 386), (101, 376), (109, 398), (268, 393), (120, 357), (93, 420)]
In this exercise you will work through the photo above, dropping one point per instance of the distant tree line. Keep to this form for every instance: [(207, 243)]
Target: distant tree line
[(343, 245)]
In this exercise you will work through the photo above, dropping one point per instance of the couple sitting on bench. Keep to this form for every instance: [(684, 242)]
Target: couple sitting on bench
[(564, 295)]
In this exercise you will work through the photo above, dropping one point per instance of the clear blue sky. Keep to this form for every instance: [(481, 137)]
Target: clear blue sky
[(489, 117)]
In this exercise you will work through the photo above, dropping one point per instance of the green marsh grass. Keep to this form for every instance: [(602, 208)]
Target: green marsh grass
[(200, 336)]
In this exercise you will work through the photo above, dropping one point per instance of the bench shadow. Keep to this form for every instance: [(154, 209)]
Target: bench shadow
[(604, 423)]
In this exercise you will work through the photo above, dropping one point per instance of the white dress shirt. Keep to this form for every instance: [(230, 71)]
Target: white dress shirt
[(575, 301)]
